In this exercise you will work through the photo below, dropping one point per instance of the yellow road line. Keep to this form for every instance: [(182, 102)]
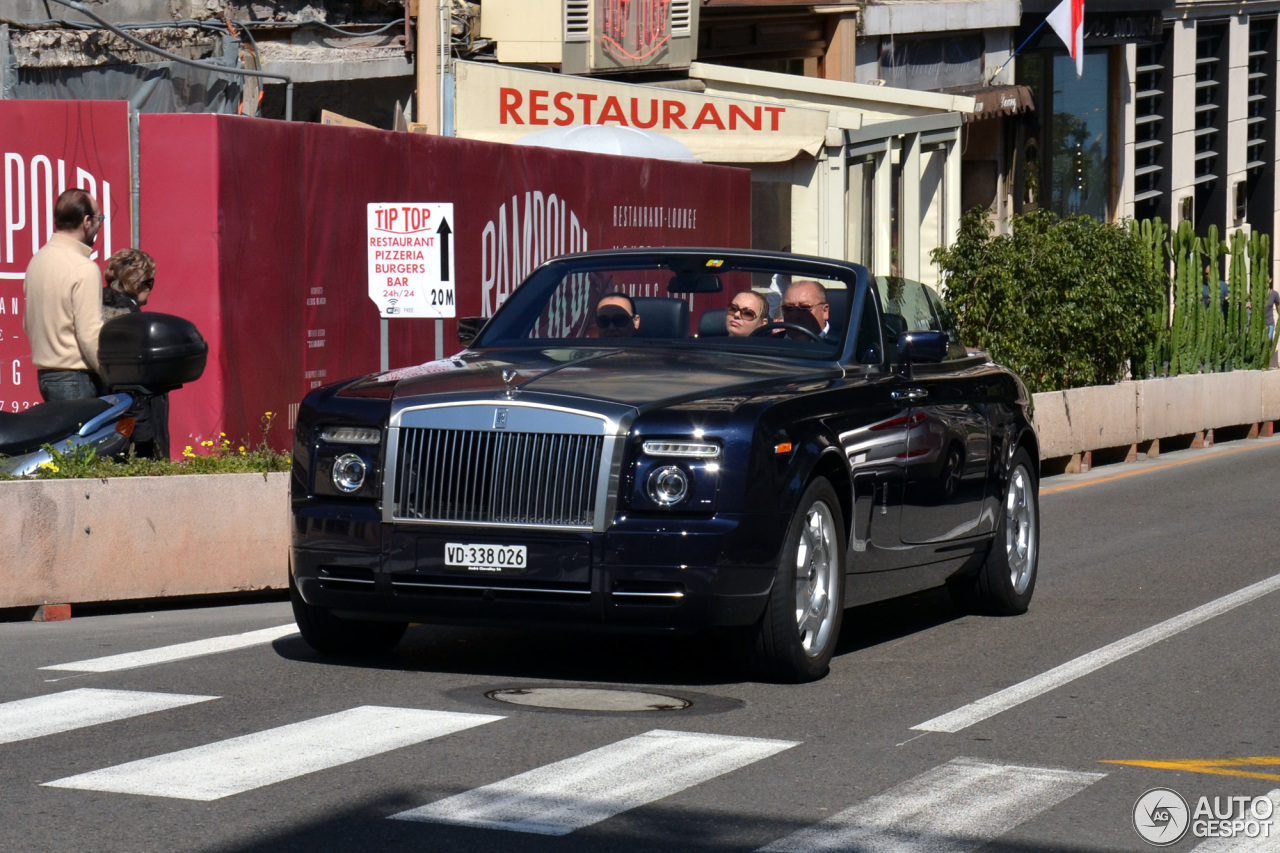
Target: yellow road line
[(1068, 486), (1225, 767)]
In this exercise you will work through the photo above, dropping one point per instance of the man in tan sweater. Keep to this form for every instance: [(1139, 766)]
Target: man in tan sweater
[(63, 290)]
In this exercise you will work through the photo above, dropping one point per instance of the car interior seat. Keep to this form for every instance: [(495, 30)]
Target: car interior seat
[(837, 310), (662, 317), (711, 324)]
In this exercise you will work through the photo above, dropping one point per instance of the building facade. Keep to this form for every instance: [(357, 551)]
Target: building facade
[(1174, 115)]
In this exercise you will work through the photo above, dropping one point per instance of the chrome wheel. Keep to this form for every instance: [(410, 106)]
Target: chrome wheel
[(1020, 529), (815, 579), (795, 636)]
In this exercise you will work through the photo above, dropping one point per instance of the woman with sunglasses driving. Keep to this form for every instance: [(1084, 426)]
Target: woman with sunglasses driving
[(747, 312)]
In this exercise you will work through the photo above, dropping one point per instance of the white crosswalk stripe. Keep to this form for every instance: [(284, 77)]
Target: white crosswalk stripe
[(957, 806), (223, 768), (559, 798), (180, 651), (75, 709), (1266, 838)]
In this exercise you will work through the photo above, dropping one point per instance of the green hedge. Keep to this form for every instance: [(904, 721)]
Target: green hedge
[(1065, 302)]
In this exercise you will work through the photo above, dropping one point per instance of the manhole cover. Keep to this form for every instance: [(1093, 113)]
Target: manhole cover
[(589, 699)]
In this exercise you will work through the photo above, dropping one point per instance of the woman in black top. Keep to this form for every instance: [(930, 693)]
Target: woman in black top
[(131, 275)]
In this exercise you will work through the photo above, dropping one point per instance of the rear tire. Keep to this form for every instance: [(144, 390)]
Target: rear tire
[(796, 637), (331, 635), (1006, 581)]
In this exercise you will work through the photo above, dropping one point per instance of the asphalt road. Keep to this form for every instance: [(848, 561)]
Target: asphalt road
[(1134, 651)]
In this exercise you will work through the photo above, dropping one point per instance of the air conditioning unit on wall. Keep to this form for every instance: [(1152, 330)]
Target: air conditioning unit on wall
[(593, 36)]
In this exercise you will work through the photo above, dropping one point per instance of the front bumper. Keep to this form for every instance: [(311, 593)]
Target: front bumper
[(642, 573)]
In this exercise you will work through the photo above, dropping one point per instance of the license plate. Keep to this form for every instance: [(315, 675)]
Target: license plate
[(486, 558)]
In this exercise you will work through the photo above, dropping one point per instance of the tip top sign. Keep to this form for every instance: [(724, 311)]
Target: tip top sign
[(411, 259), (403, 218)]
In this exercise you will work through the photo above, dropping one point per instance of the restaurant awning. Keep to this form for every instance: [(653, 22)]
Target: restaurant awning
[(996, 101)]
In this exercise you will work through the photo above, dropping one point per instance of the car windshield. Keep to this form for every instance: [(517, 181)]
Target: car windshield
[(777, 305)]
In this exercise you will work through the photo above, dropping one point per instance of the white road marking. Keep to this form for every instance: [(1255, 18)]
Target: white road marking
[(1270, 843), (989, 706), (181, 651), (76, 709), (558, 798), (954, 807), (241, 764)]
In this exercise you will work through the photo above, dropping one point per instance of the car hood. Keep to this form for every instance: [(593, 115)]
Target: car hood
[(637, 378)]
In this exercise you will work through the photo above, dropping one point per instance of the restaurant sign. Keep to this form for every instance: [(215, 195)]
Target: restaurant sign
[(500, 104)]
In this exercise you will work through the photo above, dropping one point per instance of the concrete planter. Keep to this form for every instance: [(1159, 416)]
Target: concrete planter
[(70, 541), (1133, 413), (1086, 418)]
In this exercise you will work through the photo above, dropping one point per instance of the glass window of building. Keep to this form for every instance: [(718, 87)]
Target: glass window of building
[(1078, 163), (1066, 163)]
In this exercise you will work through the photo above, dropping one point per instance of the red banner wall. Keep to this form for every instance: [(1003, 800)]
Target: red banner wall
[(258, 230), (45, 148)]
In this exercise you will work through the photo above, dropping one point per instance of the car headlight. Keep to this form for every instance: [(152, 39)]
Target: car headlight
[(668, 485), (347, 461), (349, 471), (683, 449), (351, 435), (675, 474)]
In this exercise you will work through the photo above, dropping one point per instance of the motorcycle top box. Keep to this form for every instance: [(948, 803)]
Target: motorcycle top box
[(159, 352)]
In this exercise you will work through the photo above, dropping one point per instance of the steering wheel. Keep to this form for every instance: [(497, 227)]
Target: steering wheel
[(778, 325)]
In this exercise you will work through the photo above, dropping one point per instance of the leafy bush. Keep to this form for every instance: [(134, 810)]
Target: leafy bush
[(212, 457), (1065, 302)]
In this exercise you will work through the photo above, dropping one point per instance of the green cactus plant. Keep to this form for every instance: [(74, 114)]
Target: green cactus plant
[(1259, 249)]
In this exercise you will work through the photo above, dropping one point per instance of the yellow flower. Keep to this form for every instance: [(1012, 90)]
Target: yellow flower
[(49, 466), (270, 414), (242, 448)]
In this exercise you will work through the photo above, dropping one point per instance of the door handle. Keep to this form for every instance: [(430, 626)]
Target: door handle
[(909, 394)]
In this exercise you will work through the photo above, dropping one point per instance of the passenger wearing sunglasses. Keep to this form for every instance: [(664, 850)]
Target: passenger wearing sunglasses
[(616, 316), (747, 312)]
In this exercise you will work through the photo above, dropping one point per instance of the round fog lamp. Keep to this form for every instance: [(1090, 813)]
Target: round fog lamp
[(668, 485), (348, 472)]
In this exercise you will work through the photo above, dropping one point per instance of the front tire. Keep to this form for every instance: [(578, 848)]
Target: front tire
[(330, 635), (1006, 581), (796, 637)]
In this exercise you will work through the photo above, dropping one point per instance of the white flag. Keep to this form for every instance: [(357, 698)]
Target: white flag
[(1067, 20)]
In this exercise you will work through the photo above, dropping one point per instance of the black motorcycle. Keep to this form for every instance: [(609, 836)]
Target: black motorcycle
[(143, 353)]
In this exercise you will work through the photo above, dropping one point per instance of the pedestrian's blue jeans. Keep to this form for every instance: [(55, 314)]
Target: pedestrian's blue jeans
[(68, 385)]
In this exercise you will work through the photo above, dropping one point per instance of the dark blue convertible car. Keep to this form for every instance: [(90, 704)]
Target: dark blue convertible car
[(609, 451)]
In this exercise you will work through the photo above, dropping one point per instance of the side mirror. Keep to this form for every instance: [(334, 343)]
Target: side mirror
[(923, 347), (468, 329)]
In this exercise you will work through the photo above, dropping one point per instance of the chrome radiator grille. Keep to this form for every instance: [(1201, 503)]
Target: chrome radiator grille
[(497, 477)]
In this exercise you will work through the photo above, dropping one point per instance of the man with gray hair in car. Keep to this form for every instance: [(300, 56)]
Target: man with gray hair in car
[(805, 304)]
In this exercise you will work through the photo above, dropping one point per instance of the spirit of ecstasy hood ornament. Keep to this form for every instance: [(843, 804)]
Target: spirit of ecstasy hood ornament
[(507, 376)]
